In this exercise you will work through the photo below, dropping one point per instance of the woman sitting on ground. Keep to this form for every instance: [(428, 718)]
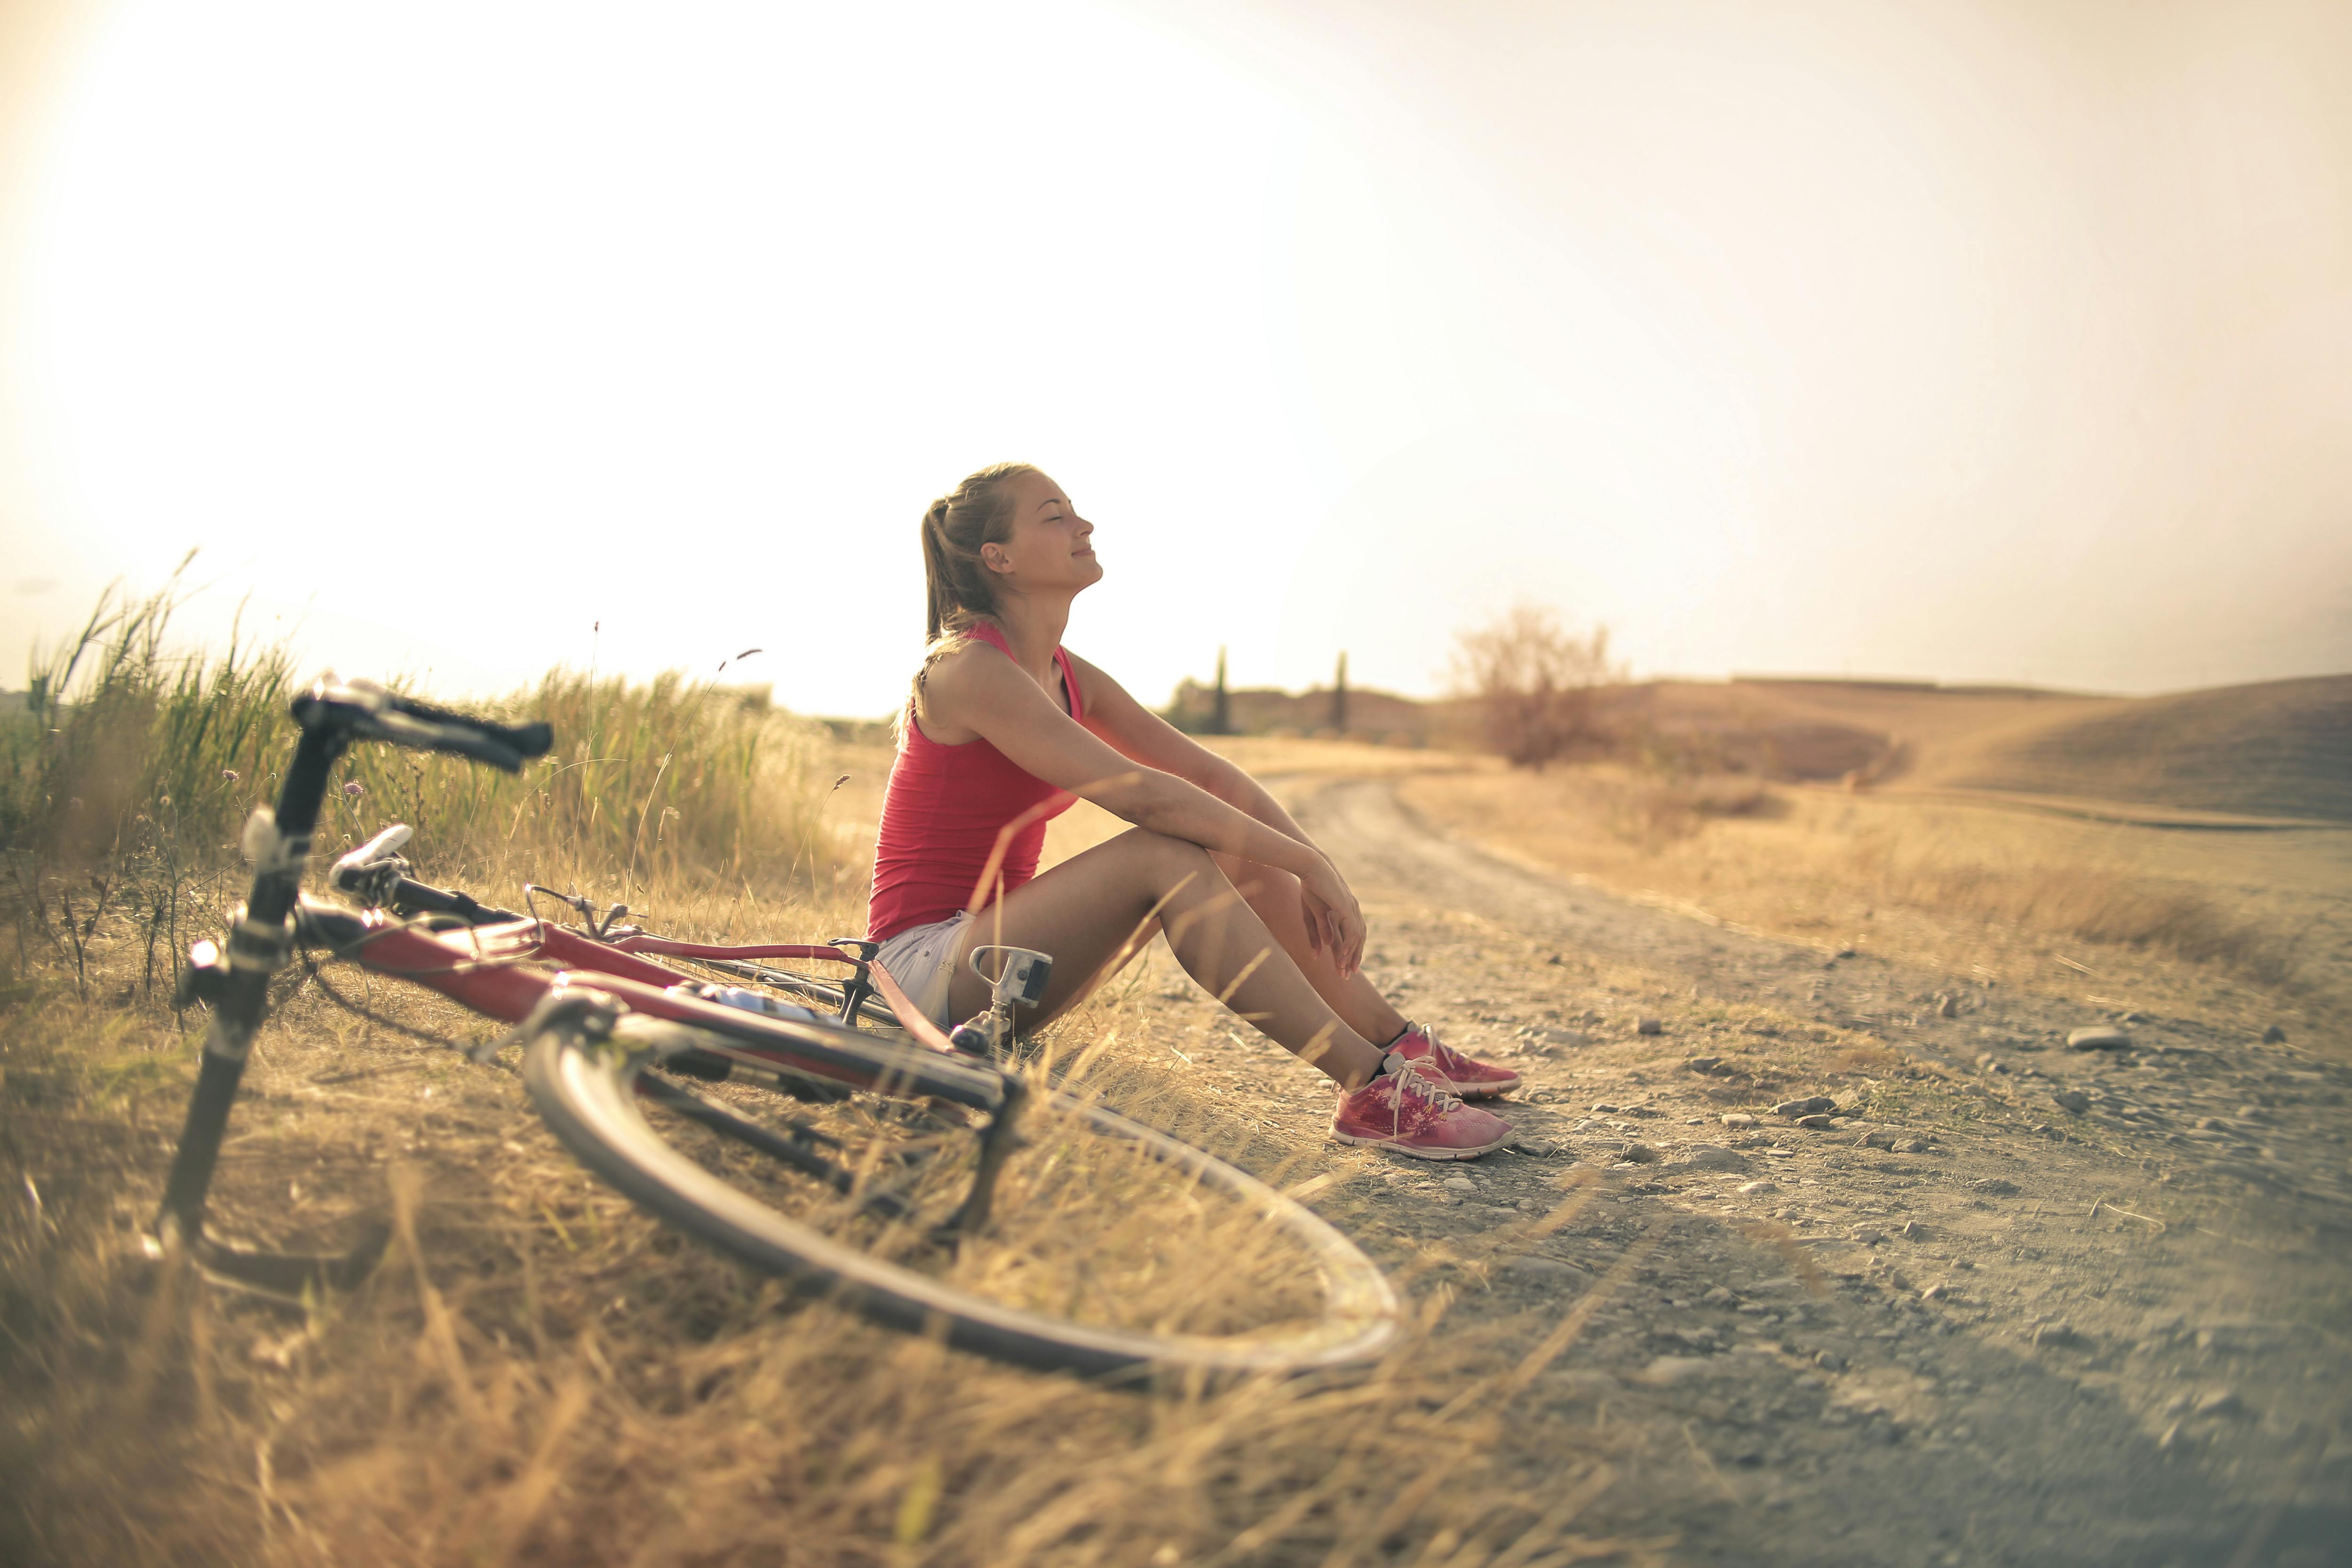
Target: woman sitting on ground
[(1004, 727)]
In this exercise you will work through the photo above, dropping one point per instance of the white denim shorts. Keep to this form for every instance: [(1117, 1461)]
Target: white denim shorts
[(921, 959)]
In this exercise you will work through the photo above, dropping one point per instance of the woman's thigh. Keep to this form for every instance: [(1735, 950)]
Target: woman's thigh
[(1091, 913)]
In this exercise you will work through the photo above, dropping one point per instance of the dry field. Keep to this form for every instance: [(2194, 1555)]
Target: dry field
[(2001, 1303), (2032, 897), (536, 1372)]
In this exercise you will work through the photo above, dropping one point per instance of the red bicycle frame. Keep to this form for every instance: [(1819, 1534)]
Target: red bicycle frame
[(507, 970)]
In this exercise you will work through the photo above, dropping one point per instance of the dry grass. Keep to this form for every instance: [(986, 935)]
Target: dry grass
[(537, 1372), (1952, 884)]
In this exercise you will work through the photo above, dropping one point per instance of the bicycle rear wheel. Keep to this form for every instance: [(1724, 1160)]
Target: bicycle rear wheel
[(1109, 1248)]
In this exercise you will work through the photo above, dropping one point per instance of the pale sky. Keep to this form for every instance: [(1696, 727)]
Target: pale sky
[(1965, 341)]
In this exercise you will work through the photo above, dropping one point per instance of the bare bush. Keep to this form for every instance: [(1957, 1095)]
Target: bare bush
[(1533, 681)]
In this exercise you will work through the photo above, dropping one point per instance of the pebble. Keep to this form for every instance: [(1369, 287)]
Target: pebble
[(1459, 1185), (1814, 1121), (2273, 1035), (1913, 1230), (1639, 1154), (1913, 1146), (1737, 1118), (2098, 1037), (1868, 1236), (1604, 1108), (1543, 1270), (1995, 1187), (1672, 1369), (1647, 1025), (2073, 1100), (1757, 1189), (1704, 1063), (1805, 1107), (1541, 1149), (2220, 1401), (1716, 1296), (1876, 1140), (2055, 1334), (1710, 1157)]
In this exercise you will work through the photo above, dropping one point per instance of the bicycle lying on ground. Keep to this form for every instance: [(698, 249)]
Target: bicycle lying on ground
[(932, 1190)]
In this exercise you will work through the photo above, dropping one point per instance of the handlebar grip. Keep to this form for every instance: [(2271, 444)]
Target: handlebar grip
[(534, 740), (366, 711)]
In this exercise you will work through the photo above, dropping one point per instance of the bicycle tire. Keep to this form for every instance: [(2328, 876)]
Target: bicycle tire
[(587, 1093)]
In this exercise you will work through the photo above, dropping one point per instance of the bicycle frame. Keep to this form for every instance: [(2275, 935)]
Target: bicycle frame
[(507, 970), (513, 970)]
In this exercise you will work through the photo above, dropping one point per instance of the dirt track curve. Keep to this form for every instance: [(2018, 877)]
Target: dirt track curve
[(2012, 1304)]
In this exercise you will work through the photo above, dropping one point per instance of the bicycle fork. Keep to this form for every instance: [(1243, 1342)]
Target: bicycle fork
[(235, 986)]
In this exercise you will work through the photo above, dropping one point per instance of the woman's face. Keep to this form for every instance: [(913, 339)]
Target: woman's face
[(1051, 545)]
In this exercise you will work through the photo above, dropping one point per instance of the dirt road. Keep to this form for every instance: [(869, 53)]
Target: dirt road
[(2001, 1301)]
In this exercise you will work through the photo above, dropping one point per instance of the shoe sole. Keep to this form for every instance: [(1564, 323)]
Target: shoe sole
[(1395, 1147)]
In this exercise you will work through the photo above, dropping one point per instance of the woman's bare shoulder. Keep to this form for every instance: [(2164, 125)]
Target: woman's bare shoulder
[(962, 662)]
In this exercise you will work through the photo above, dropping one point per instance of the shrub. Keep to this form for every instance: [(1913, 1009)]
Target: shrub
[(1533, 681)]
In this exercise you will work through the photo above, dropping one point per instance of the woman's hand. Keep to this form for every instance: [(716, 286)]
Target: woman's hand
[(1334, 923)]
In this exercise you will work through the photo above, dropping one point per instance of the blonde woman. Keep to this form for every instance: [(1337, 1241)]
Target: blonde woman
[(1004, 727)]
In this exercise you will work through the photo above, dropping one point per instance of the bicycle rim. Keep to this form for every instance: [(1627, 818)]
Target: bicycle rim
[(1335, 1310)]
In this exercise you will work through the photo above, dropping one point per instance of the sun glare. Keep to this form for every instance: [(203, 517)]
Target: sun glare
[(452, 331)]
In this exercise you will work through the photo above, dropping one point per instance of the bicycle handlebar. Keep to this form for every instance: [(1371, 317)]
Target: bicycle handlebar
[(362, 709)]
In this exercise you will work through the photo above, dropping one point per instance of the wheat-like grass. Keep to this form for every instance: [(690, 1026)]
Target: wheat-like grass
[(537, 1372)]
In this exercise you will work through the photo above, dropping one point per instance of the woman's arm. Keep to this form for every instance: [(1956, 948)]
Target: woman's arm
[(1136, 731), (978, 688)]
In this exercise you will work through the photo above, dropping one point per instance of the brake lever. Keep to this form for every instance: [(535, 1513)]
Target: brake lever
[(369, 871)]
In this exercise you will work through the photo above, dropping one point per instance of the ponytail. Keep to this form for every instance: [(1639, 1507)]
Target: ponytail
[(956, 588)]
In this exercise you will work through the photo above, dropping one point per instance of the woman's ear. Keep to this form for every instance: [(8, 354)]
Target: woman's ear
[(995, 558)]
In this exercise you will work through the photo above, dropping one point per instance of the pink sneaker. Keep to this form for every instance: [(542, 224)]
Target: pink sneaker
[(1405, 1111), (1469, 1079)]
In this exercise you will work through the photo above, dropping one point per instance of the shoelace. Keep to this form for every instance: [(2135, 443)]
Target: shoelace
[(1408, 1082), (1440, 1054)]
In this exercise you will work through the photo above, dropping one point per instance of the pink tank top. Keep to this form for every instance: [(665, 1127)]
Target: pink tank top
[(942, 811)]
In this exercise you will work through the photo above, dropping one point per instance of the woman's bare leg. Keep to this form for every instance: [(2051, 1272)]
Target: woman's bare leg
[(1274, 894), (1094, 912)]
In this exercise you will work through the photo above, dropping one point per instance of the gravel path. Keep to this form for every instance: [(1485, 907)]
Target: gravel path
[(1996, 1300)]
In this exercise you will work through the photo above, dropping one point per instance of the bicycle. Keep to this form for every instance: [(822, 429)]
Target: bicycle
[(895, 1204)]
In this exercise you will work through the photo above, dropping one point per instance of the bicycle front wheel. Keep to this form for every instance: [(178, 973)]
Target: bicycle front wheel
[(1106, 1247)]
